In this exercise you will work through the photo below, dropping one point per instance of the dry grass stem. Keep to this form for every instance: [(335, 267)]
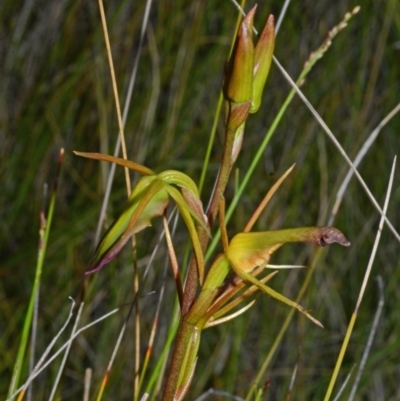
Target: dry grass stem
[(292, 381), (38, 368), (362, 289), (115, 90), (174, 261), (357, 160), (266, 199), (337, 145), (87, 383), (371, 337), (66, 353), (343, 386), (127, 103)]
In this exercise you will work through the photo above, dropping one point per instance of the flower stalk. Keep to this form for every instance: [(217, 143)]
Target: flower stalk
[(244, 79)]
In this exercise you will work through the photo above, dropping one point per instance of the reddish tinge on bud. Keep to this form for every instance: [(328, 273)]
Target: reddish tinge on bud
[(238, 75), (262, 62)]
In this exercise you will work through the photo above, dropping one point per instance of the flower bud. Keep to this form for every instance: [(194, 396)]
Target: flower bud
[(262, 62), (238, 76)]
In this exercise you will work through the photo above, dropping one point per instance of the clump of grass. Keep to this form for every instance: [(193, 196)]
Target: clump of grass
[(303, 207)]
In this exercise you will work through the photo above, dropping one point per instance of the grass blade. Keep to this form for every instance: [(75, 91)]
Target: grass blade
[(362, 290), (44, 238)]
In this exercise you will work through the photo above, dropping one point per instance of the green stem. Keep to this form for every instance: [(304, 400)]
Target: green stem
[(184, 334), (210, 143), (223, 176), (184, 338), (192, 278), (43, 241), (222, 180), (251, 169)]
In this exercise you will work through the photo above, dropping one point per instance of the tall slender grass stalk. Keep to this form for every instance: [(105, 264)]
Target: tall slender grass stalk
[(362, 289), (44, 234)]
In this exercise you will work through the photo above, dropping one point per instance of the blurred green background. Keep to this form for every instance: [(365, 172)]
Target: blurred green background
[(55, 91)]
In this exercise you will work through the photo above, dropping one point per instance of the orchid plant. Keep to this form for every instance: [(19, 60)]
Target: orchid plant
[(210, 293)]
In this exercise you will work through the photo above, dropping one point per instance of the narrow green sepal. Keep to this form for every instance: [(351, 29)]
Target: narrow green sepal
[(117, 160), (262, 62), (148, 200), (238, 75), (187, 214), (190, 193)]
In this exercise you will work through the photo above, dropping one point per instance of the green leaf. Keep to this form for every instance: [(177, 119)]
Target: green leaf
[(117, 160), (174, 177), (148, 200), (186, 214), (190, 194)]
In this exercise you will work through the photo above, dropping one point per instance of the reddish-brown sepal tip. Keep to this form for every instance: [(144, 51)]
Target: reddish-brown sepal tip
[(330, 235)]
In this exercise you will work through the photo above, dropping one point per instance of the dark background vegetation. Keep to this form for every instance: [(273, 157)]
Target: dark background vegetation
[(55, 91)]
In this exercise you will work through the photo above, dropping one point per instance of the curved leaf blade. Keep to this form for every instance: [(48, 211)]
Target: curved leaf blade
[(117, 160), (186, 214), (148, 199), (190, 193)]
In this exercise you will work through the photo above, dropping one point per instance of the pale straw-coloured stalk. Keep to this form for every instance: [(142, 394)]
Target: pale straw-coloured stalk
[(338, 146), (371, 337), (343, 386), (362, 289)]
